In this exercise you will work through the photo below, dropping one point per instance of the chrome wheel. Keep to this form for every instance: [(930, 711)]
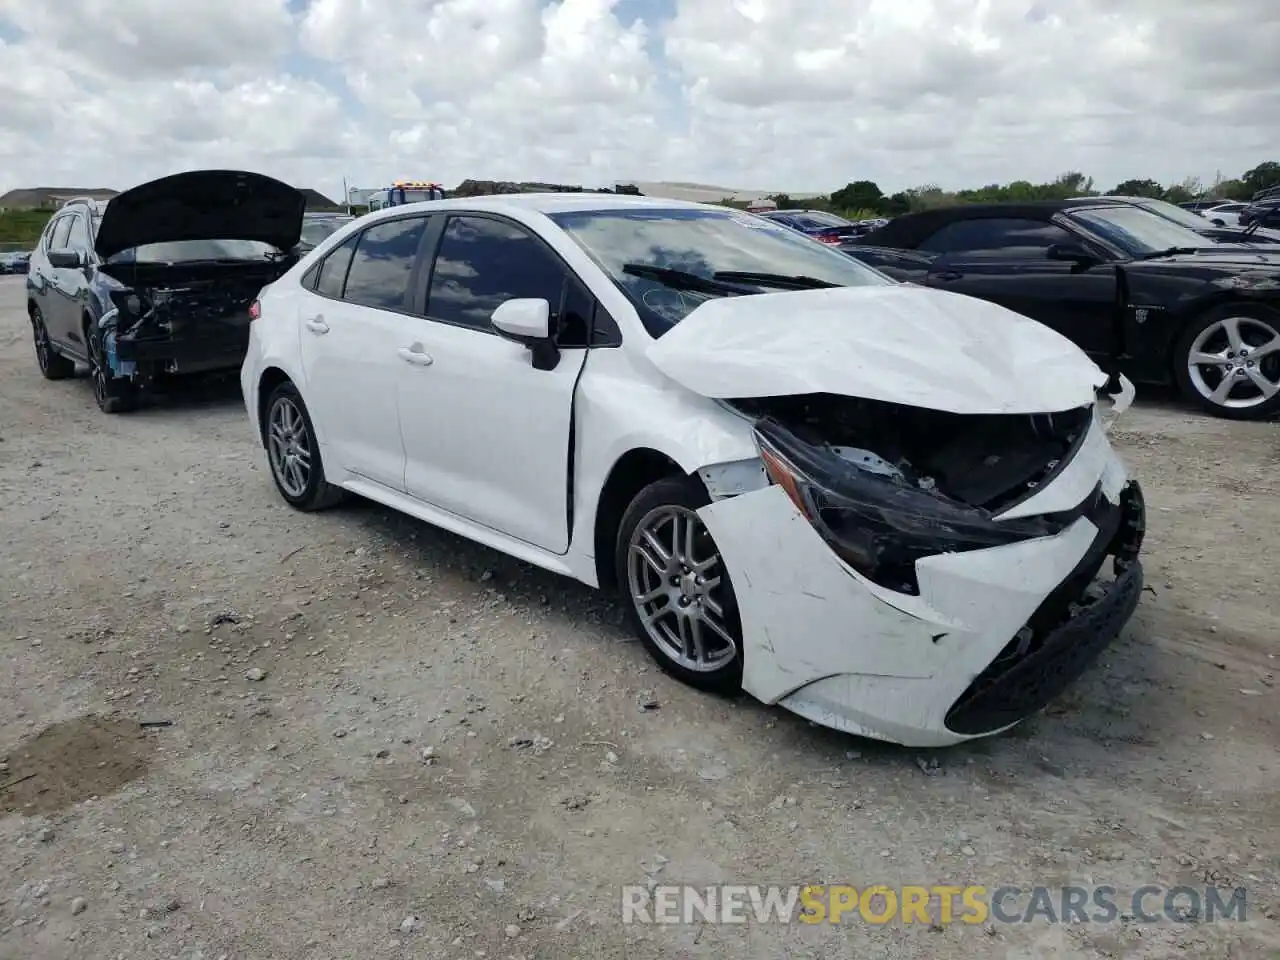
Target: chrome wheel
[(1235, 362), (40, 334), (289, 447), (674, 577)]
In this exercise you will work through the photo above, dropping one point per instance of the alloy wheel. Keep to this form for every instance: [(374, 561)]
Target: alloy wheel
[(97, 370), (1235, 362), (40, 334), (289, 447), (674, 575)]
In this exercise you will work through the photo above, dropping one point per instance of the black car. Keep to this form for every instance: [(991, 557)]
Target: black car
[(1141, 295), (1262, 214), (14, 262), (317, 226), (157, 282), (1206, 228)]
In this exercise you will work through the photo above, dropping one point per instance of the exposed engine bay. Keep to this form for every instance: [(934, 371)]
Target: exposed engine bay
[(195, 321), (988, 461)]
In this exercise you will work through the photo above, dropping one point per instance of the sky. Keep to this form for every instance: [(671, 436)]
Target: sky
[(799, 95)]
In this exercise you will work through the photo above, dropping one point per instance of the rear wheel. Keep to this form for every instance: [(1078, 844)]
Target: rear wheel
[(53, 365), (113, 394), (1228, 361), (294, 454), (676, 589)]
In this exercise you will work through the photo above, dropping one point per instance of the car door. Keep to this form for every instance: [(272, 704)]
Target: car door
[(352, 324), (73, 282), (52, 286), (486, 435), (1006, 260)]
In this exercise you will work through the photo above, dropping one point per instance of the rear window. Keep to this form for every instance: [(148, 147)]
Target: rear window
[(817, 220)]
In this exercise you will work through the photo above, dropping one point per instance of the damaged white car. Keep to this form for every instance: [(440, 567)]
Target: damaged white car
[(892, 510)]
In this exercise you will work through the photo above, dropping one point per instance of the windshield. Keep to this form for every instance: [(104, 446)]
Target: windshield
[(816, 219), (1136, 231), (1162, 208), (314, 231), (705, 243)]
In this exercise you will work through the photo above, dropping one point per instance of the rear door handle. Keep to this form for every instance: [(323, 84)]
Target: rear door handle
[(316, 325), (415, 355)]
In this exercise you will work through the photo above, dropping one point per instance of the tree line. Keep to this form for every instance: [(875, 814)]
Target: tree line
[(863, 198)]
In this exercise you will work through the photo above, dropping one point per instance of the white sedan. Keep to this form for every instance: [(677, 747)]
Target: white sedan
[(892, 510)]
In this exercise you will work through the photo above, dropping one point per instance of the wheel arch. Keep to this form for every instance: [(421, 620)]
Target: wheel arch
[(630, 473), (270, 378)]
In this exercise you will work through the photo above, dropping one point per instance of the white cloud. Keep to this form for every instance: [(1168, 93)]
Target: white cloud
[(789, 94)]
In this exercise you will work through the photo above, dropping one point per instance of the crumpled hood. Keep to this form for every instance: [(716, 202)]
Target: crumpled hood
[(202, 205), (895, 343)]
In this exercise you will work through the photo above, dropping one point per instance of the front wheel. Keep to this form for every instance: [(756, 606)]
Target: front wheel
[(294, 454), (677, 592), (113, 394), (1228, 361)]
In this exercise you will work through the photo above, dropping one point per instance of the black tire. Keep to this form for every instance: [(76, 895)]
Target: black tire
[(689, 494), (113, 394), (1261, 318), (53, 365), (316, 493)]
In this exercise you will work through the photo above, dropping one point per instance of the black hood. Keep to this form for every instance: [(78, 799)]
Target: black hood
[(203, 205)]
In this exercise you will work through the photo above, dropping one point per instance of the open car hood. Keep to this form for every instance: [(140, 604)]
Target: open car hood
[(900, 344), (203, 205)]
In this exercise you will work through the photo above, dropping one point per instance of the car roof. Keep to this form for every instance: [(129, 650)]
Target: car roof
[(912, 228), (517, 203)]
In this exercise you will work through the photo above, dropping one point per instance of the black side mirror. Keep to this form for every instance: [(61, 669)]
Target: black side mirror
[(1072, 253), (66, 259)]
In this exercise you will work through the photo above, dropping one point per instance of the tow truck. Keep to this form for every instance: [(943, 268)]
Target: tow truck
[(405, 191)]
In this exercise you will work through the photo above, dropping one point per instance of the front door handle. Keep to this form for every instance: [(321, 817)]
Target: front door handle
[(948, 275), (316, 325), (415, 355)]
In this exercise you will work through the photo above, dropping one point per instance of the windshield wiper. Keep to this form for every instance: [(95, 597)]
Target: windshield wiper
[(786, 281), (684, 280), (1169, 252)]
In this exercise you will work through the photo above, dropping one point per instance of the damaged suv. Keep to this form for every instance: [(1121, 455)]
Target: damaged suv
[(892, 510), (157, 282)]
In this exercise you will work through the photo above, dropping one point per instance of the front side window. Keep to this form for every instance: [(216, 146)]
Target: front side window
[(483, 262), (78, 238), (382, 266), (704, 242), (1014, 237), (61, 231)]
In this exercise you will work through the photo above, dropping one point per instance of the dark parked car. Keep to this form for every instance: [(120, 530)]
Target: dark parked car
[(1262, 214), (317, 226), (818, 224), (14, 262), (157, 282), (1141, 295), (1206, 228)]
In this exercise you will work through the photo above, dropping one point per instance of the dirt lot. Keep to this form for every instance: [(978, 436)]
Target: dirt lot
[(148, 568)]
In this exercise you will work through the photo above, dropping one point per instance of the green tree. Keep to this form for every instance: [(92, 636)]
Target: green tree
[(1139, 188), (858, 195), (1261, 177)]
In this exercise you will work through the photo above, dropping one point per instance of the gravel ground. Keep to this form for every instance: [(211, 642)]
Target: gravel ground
[(303, 667)]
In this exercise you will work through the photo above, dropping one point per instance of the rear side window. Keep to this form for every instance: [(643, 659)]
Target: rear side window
[(382, 266), (333, 271), (484, 262), (61, 230), (1007, 235)]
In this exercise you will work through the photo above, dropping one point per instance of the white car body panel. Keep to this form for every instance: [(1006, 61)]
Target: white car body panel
[(909, 345), (476, 441)]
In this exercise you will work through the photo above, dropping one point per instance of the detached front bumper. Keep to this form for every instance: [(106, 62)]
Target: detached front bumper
[(992, 638)]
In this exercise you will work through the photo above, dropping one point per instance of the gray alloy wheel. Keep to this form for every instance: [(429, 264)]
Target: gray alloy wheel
[(289, 447), (674, 580), (1234, 362)]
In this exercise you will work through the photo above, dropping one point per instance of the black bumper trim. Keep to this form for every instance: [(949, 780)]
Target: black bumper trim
[(1068, 631), (228, 351)]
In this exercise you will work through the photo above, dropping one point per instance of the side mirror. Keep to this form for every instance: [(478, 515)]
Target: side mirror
[(527, 321), (66, 259), (1072, 253)]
